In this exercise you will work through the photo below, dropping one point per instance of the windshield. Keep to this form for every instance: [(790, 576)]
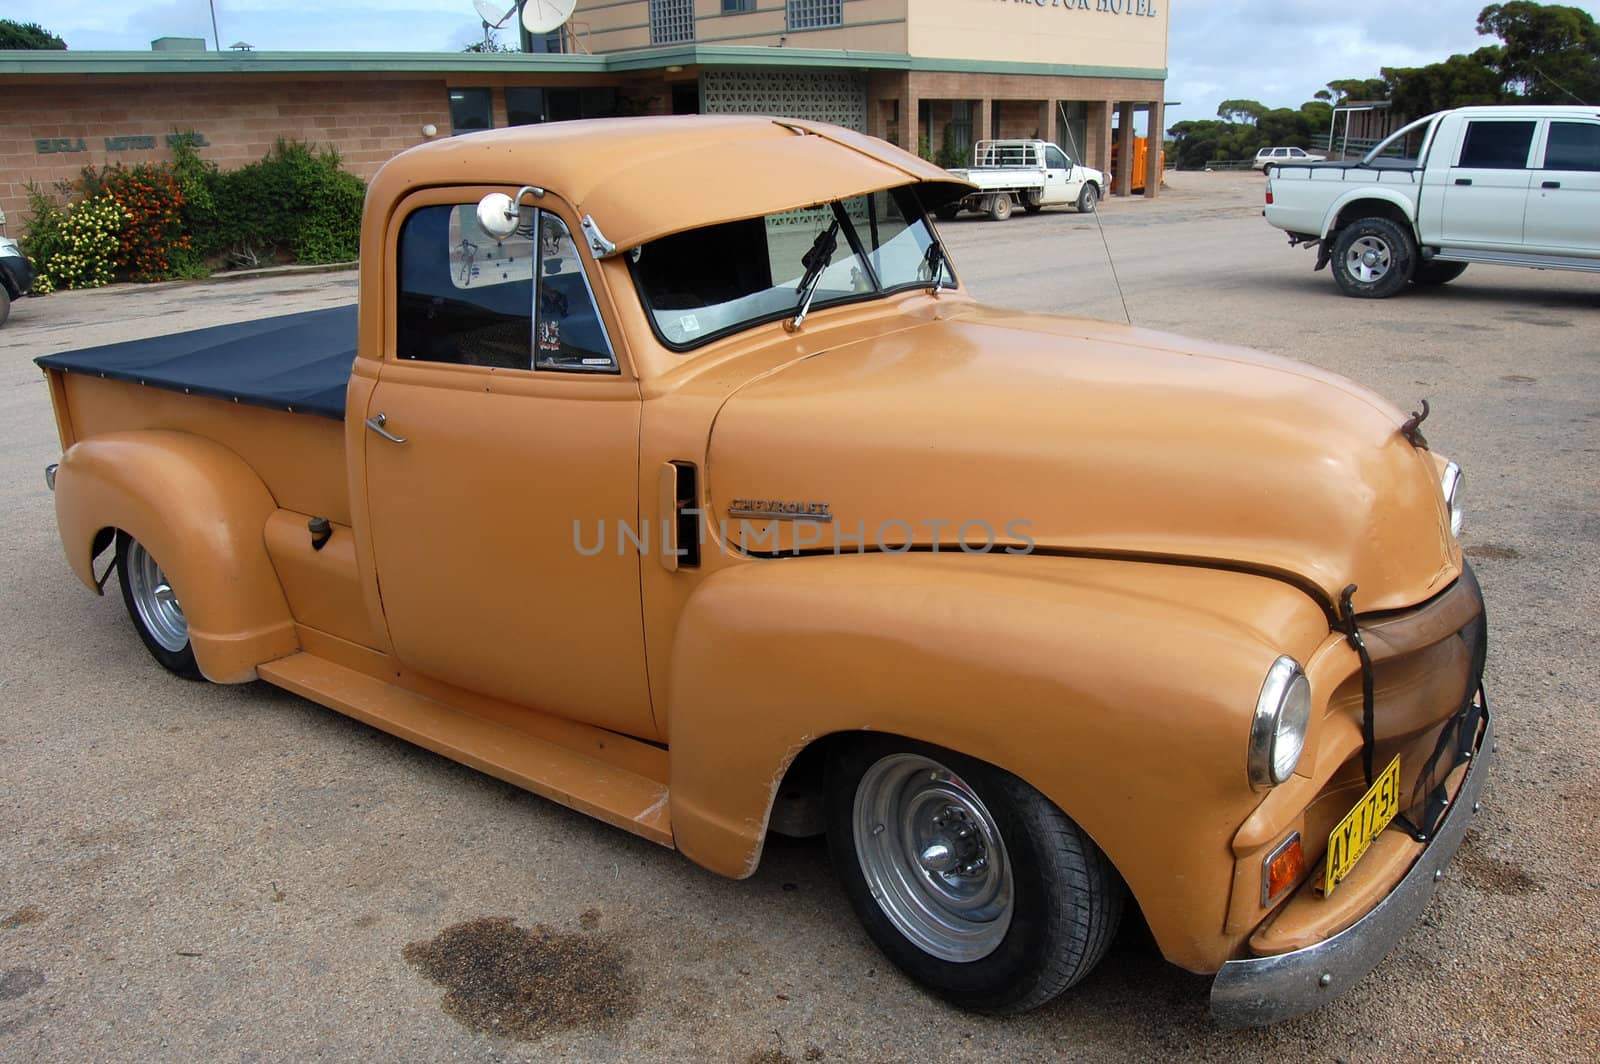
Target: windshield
[(708, 282)]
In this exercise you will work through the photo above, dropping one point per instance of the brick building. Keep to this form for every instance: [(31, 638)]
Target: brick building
[(920, 73)]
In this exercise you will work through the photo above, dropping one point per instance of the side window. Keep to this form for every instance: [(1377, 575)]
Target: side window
[(1055, 158), (1493, 145), (568, 333), (1573, 146), (464, 297)]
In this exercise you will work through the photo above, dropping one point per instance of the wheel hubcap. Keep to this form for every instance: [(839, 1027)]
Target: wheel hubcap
[(933, 857), (155, 600), (1369, 259)]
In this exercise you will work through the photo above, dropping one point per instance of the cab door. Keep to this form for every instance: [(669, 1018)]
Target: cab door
[(1059, 186), (1485, 192), (1564, 201), (502, 436)]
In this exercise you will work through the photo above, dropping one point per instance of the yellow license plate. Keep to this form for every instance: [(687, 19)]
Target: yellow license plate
[(1351, 837)]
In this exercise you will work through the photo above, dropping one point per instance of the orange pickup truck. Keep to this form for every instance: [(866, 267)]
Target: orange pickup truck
[(667, 470)]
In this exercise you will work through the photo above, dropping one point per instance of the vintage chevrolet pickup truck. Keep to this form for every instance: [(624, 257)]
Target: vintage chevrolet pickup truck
[(670, 472)]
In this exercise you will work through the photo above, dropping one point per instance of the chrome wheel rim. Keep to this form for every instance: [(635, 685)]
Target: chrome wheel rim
[(155, 600), (1368, 259), (933, 858)]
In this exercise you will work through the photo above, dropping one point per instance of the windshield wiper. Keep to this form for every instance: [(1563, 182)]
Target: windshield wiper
[(815, 261)]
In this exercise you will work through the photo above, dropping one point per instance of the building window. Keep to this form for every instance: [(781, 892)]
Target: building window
[(737, 7), (815, 14), (524, 106), (671, 21), (553, 43), (961, 124), (470, 110)]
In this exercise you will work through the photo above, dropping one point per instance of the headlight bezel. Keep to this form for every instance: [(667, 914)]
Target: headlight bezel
[(1279, 728), (1450, 482)]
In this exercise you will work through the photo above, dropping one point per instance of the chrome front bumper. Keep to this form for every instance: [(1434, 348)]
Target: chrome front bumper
[(1263, 990)]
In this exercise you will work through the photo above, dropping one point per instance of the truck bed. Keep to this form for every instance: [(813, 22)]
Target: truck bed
[(299, 363)]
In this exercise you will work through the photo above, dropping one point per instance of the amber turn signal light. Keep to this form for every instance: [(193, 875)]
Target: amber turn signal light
[(1283, 868)]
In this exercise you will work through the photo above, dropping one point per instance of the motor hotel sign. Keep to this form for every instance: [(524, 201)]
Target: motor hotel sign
[(1146, 8)]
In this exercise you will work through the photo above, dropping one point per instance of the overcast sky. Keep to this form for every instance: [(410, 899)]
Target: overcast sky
[(1279, 52)]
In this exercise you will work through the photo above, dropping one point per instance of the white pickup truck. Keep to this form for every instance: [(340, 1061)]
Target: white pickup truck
[(1033, 173), (1508, 185)]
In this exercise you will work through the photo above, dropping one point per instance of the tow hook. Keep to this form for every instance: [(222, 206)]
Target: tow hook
[(50, 475)]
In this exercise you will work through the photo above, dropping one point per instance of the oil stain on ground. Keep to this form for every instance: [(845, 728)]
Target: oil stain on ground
[(1492, 552), (14, 982), (23, 917), (1491, 874), (503, 979)]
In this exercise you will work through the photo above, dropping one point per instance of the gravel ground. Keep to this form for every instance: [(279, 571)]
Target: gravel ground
[(235, 874)]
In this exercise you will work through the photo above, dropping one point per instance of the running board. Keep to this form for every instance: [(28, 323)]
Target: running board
[(607, 792), (1513, 258)]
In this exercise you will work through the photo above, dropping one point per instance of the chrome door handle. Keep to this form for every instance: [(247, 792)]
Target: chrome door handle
[(376, 423)]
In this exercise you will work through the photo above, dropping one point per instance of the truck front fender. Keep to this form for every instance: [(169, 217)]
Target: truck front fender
[(1394, 206), (1123, 691), (200, 510)]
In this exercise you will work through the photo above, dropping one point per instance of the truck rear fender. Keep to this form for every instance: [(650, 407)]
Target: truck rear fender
[(1121, 690), (200, 511), (1368, 202)]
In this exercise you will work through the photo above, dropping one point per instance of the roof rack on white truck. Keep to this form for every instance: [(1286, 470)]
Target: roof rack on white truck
[(1033, 173), (1506, 185)]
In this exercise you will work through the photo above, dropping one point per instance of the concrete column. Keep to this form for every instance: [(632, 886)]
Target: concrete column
[(1124, 182), (910, 121), (1157, 130), (983, 120), (1047, 120), (1097, 150)]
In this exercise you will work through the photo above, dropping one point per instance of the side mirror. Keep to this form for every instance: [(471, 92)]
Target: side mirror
[(498, 215)]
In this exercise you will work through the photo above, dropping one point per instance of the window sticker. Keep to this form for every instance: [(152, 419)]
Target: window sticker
[(690, 323)]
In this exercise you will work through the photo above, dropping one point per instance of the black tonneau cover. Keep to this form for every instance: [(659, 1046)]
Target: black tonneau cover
[(297, 362)]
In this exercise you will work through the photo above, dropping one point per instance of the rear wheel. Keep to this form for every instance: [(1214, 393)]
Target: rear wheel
[(1000, 206), (1030, 202), (154, 607), (1373, 258), (968, 879), (1088, 199), (1434, 272)]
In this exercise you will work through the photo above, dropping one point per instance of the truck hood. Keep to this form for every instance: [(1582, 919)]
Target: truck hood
[(1084, 437)]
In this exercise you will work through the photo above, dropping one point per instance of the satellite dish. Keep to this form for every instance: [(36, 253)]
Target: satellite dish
[(545, 16), (489, 11)]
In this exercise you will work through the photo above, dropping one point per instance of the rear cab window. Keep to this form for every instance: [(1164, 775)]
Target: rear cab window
[(1573, 146)]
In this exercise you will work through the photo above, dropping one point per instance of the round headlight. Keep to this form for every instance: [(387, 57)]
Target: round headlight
[(1278, 732), (1450, 484)]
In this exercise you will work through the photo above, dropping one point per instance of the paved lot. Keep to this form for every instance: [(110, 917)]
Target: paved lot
[(193, 872)]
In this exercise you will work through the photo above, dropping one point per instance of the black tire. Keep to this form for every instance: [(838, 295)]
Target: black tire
[(136, 568), (1065, 898), (1000, 206), (5, 304), (1088, 198), (1433, 272), (1030, 202), (1373, 258), (948, 212)]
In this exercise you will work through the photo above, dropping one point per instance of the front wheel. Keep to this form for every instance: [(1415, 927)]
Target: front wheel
[(1088, 199), (1433, 272), (968, 879), (1373, 258), (5, 304), (154, 607)]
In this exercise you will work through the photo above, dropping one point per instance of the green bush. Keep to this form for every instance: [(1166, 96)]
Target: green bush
[(295, 200)]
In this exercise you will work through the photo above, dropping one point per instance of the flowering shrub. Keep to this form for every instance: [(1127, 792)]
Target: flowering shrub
[(153, 238), (81, 247)]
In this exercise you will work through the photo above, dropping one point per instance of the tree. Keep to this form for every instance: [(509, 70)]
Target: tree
[(29, 36), (1460, 81), (1551, 53), (1358, 89), (1240, 111)]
